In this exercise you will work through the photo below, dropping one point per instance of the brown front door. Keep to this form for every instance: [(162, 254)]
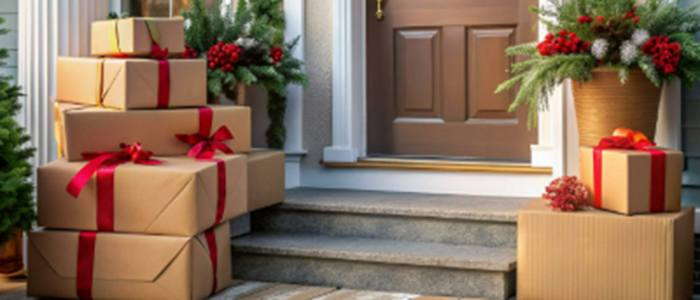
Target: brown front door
[(432, 69)]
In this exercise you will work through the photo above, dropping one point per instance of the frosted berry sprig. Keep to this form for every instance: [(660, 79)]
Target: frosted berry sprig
[(567, 194), (223, 56), (666, 54), (564, 43)]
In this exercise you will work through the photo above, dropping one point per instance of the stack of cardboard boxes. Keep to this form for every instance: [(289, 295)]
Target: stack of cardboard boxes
[(637, 242), (121, 223)]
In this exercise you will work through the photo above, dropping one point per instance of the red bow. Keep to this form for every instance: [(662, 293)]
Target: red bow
[(133, 153), (157, 52), (205, 147), (625, 142)]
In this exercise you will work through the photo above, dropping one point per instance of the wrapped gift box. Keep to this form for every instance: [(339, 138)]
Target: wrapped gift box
[(631, 181), (265, 178), (131, 83), (131, 37), (600, 255), (128, 266), (82, 128), (177, 197)]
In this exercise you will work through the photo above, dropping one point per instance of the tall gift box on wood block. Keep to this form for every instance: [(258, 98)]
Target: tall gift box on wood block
[(132, 83), (134, 37), (265, 178), (180, 196), (633, 181), (104, 265), (601, 255), (82, 129)]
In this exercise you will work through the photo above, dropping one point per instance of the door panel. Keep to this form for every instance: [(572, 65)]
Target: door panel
[(432, 69), (487, 69), (417, 73)]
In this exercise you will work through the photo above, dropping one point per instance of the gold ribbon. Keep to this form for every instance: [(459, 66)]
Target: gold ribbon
[(114, 37), (58, 129), (153, 30)]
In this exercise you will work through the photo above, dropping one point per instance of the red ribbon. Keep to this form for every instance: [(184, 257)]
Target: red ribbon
[(104, 164), (205, 145), (658, 169), (213, 255), (221, 188), (86, 261), (163, 83)]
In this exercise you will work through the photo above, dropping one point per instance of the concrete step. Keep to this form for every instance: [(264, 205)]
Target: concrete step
[(448, 219), (371, 264)]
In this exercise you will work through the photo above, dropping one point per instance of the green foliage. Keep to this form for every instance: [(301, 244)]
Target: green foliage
[(537, 76), (16, 190), (261, 21)]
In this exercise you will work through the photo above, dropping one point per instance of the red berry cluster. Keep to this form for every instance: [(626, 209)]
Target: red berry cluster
[(276, 54), (224, 56), (189, 52), (565, 43), (585, 19), (566, 194), (631, 15), (666, 55)]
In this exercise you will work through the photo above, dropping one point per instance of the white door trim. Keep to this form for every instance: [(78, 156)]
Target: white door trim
[(349, 132)]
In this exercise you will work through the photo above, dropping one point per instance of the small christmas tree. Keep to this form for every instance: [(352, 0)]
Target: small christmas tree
[(16, 189)]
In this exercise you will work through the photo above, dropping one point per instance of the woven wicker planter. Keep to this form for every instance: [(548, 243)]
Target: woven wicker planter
[(604, 104)]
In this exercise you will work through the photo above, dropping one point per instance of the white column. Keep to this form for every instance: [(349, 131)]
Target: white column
[(548, 152), (47, 29), (348, 82), (294, 11)]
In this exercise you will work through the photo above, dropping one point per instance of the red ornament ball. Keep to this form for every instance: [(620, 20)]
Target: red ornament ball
[(223, 56), (566, 194)]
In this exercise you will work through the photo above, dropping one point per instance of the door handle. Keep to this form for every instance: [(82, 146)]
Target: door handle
[(380, 13)]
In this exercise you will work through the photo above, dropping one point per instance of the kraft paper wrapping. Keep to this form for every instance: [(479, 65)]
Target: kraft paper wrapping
[(129, 266), (265, 178), (129, 83), (177, 197), (626, 179), (84, 128), (601, 255), (131, 37)]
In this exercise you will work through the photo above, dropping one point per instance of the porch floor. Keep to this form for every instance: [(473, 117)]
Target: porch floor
[(251, 290)]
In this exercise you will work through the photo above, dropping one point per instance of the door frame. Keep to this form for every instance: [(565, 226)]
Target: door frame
[(349, 123)]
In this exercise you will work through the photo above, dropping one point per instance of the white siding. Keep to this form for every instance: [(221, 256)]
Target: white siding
[(8, 11)]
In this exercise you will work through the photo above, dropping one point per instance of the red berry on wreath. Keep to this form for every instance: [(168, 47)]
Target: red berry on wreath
[(600, 19)]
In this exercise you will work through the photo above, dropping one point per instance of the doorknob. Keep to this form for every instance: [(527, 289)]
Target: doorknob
[(380, 13)]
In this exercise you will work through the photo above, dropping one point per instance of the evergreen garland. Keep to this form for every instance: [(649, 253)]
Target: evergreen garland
[(16, 190), (609, 31), (257, 27)]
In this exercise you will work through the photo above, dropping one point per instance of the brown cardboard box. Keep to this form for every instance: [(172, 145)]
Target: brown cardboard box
[(177, 197), (601, 255), (87, 128), (129, 266), (131, 37), (265, 178), (129, 83), (626, 179)]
